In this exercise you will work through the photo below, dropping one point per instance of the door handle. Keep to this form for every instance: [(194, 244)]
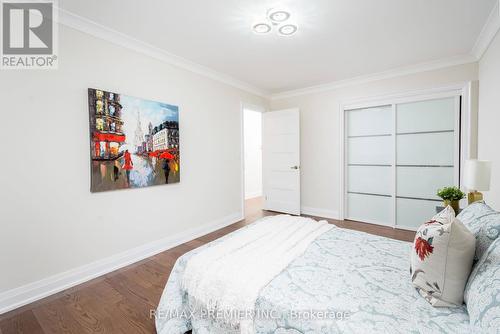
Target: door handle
[(295, 167)]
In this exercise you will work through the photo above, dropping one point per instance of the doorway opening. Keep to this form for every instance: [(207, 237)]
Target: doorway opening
[(252, 159)]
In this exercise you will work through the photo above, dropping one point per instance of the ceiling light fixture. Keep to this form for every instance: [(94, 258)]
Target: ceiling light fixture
[(276, 19), (287, 30), (262, 28), (278, 16)]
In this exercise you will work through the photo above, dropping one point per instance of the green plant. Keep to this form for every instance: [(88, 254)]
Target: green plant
[(451, 194)]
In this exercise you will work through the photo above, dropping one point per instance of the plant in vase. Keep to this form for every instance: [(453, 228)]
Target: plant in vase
[(451, 196)]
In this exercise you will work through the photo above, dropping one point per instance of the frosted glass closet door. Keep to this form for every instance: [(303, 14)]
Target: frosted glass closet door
[(370, 155), (426, 145)]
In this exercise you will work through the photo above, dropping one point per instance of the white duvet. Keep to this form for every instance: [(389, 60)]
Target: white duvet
[(227, 277)]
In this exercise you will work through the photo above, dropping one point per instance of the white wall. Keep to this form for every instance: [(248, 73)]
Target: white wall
[(320, 142), (253, 153), (489, 117), (50, 222)]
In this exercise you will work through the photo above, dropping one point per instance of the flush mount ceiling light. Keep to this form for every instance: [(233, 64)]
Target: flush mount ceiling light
[(278, 15), (262, 28), (287, 30), (278, 19)]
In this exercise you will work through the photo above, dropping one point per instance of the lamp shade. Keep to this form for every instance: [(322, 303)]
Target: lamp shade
[(477, 175)]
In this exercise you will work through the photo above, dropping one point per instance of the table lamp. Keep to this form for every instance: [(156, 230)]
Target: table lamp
[(477, 177)]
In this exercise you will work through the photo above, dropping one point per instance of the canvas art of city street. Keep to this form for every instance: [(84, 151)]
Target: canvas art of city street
[(134, 143)]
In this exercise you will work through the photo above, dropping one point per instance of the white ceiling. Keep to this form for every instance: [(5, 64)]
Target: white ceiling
[(337, 39)]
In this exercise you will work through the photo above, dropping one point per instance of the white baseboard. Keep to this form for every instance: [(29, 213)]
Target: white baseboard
[(253, 194), (324, 213), (17, 297)]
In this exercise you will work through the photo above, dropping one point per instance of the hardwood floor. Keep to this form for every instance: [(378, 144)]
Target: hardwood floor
[(120, 302)]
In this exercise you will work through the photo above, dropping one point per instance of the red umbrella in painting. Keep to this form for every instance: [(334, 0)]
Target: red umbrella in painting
[(154, 154), (166, 155)]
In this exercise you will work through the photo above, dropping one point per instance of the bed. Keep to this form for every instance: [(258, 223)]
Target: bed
[(345, 282)]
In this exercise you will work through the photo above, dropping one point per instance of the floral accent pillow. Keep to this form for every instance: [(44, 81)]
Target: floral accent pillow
[(441, 260)]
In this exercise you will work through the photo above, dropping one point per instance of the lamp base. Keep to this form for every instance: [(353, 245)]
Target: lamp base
[(474, 196)]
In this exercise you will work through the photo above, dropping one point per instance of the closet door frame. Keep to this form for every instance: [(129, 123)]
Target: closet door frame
[(466, 124)]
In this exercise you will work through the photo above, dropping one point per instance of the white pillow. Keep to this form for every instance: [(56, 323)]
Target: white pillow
[(441, 259)]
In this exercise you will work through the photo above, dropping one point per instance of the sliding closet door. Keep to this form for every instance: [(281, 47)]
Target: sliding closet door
[(397, 157), (369, 161), (427, 146)]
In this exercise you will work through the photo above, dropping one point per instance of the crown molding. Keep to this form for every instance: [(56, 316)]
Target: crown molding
[(102, 32), (97, 30), (488, 33), (407, 70), (486, 36)]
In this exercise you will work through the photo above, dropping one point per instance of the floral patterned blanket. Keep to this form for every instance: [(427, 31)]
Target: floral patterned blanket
[(345, 282)]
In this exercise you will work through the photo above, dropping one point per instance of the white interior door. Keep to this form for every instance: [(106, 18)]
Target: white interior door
[(281, 161)]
